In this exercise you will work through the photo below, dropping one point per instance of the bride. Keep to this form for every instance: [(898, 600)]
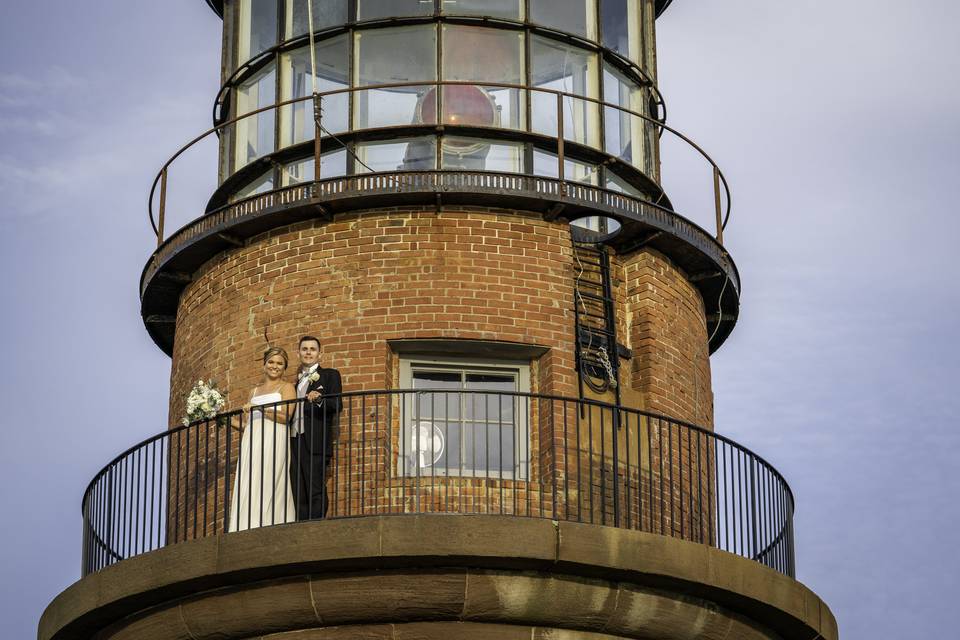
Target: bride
[(261, 485)]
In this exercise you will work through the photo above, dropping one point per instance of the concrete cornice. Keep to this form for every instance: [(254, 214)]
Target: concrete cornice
[(470, 545)]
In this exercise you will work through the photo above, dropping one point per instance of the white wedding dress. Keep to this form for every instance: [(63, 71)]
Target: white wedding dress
[(262, 495)]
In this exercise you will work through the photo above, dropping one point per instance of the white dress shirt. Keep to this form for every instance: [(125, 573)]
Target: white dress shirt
[(302, 385)]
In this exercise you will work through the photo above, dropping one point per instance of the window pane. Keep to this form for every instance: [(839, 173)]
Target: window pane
[(448, 462), (391, 56), (616, 183), (477, 53), (257, 28), (492, 8), (333, 164), (370, 9), (546, 164), (297, 123), (622, 28), (261, 184), (326, 14), (484, 55), (413, 154), (480, 154), (627, 136), (491, 382), (492, 407), (489, 449), (571, 70), (255, 134), (402, 54), (429, 405), (436, 380), (442, 406), (573, 16), (425, 449)]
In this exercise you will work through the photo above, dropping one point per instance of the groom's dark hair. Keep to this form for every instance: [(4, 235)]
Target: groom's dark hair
[(308, 339)]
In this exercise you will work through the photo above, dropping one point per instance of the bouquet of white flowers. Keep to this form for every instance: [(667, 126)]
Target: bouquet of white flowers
[(204, 401)]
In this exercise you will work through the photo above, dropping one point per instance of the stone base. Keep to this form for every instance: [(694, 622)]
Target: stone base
[(436, 576)]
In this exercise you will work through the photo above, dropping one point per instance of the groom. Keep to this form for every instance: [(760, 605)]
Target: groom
[(315, 425)]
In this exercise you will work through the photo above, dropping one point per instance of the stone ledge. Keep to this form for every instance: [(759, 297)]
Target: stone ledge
[(481, 546)]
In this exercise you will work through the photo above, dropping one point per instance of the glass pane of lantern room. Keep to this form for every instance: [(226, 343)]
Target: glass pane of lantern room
[(257, 28), (626, 136), (480, 154), (511, 9), (546, 163), (297, 123), (333, 164), (395, 56), (255, 134), (622, 28), (371, 9), (571, 16), (572, 70), (483, 55), (326, 14), (260, 184), (409, 154)]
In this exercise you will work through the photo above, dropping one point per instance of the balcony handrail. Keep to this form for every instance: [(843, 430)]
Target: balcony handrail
[(723, 216), (519, 394), (732, 498)]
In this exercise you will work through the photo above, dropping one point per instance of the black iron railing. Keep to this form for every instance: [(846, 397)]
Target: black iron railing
[(547, 129), (439, 451)]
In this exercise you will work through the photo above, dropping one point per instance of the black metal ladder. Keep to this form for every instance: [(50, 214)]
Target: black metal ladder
[(596, 331)]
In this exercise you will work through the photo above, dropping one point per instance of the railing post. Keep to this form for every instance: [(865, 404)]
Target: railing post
[(163, 205), (753, 510), (87, 537), (615, 432), (560, 151), (317, 130), (716, 200)]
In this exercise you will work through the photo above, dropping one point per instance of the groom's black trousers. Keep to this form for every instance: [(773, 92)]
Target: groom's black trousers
[(310, 455)]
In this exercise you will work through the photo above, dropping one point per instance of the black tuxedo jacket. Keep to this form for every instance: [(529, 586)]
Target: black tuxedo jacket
[(320, 419)]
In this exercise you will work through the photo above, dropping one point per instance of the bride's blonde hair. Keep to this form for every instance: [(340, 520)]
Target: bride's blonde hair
[(276, 351)]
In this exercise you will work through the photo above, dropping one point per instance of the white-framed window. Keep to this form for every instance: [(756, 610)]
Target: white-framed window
[(464, 418)]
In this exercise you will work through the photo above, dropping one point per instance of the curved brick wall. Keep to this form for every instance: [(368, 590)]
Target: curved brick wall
[(666, 325), (369, 277)]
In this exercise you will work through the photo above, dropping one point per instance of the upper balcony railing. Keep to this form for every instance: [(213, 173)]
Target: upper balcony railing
[(429, 451), (445, 127)]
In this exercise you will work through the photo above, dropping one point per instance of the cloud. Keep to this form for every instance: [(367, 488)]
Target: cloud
[(67, 157)]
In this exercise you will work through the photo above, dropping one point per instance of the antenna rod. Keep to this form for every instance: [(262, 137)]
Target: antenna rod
[(313, 53), (317, 108)]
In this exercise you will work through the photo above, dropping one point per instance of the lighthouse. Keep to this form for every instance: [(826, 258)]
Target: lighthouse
[(461, 203)]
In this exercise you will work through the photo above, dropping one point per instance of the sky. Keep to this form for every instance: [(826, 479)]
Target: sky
[(836, 125)]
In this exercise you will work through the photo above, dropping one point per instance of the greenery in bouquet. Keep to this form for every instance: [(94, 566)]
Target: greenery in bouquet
[(204, 401)]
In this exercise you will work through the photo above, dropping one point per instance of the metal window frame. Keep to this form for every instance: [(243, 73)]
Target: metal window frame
[(410, 364)]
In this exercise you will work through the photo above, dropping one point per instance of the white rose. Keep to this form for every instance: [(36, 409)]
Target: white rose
[(314, 376)]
